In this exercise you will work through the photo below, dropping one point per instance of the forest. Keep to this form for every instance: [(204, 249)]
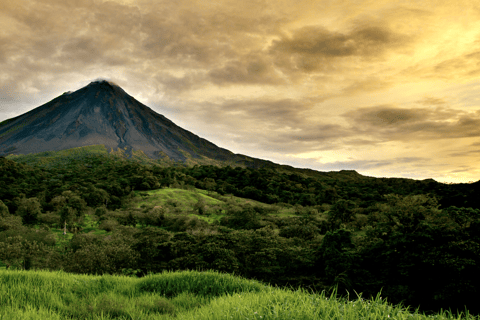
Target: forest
[(416, 241)]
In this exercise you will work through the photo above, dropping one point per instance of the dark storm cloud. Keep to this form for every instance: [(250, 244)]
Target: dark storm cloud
[(314, 48), (319, 41), (385, 116), (387, 122)]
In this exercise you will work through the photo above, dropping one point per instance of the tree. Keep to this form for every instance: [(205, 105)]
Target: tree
[(4, 212), (209, 184), (303, 231), (7, 220), (58, 202), (20, 253), (336, 257), (97, 197), (420, 254), (218, 258), (464, 217), (100, 211), (10, 222), (75, 202), (108, 258), (154, 248), (152, 217), (29, 209), (246, 218), (341, 212), (68, 215), (131, 220), (108, 225), (11, 251), (200, 206)]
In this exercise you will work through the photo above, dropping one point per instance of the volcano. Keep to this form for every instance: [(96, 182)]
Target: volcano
[(102, 113)]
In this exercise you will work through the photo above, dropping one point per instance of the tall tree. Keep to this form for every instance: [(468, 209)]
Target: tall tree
[(29, 209)]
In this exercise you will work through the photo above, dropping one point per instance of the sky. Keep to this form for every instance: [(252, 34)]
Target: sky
[(386, 88)]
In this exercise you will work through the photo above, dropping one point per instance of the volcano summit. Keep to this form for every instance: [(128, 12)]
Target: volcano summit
[(102, 113)]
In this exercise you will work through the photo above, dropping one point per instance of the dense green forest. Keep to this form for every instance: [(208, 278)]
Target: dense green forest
[(415, 241)]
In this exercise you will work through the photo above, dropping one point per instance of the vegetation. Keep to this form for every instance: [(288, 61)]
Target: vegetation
[(85, 211), (178, 295)]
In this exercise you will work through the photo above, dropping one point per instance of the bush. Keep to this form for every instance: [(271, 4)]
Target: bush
[(50, 219), (108, 225), (154, 217), (111, 257), (100, 211), (10, 222), (306, 232)]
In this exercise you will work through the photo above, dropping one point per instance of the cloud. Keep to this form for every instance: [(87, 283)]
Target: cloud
[(315, 48), (387, 122), (466, 65), (431, 101), (371, 164), (281, 126), (463, 154), (451, 62), (174, 85), (385, 115), (367, 85), (251, 69), (315, 40), (82, 49), (274, 77)]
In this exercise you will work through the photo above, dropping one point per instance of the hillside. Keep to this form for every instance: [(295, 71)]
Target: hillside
[(309, 231)]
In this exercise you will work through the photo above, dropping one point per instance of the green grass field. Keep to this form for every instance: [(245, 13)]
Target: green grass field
[(185, 295), (186, 199)]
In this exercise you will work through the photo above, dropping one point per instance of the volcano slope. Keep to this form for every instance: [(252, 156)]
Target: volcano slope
[(102, 113)]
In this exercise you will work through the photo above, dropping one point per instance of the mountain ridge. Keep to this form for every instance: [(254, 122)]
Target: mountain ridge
[(102, 113)]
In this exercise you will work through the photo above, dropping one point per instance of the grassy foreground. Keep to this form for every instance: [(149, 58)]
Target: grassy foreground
[(176, 295)]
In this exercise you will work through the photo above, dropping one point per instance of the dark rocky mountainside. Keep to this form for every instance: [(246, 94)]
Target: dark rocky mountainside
[(102, 113)]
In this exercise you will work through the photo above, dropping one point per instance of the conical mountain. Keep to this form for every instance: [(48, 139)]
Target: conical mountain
[(102, 113)]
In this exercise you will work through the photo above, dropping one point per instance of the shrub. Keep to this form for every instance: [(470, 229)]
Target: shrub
[(108, 225)]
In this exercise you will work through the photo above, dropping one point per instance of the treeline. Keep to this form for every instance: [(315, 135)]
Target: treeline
[(356, 233), (107, 180)]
